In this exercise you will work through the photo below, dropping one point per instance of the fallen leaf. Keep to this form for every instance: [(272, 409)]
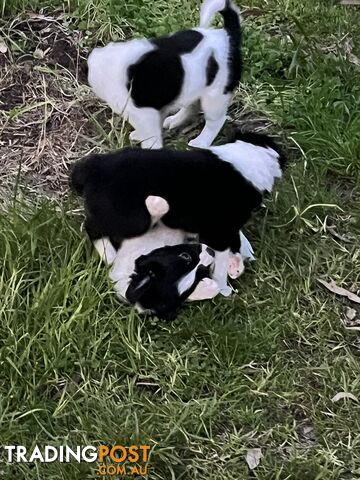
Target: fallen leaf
[(39, 54), (339, 290), (343, 238), (252, 12), (348, 46), (308, 431), (353, 59), (351, 320), (341, 395), (253, 457), (3, 47), (350, 313)]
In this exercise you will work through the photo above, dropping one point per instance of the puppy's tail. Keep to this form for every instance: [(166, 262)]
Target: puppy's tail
[(262, 140), (231, 16), (226, 8)]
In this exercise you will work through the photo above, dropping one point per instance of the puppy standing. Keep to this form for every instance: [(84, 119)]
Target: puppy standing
[(211, 192), (145, 80)]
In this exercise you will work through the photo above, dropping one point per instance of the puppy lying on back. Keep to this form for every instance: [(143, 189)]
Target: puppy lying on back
[(160, 270), (164, 278), (211, 193), (186, 278), (145, 80)]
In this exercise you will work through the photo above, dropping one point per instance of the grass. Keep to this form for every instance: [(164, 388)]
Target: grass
[(256, 371)]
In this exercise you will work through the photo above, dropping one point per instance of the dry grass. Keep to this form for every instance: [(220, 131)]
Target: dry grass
[(49, 116), (46, 109)]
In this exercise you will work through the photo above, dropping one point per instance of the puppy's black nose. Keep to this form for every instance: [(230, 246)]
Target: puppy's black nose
[(210, 251)]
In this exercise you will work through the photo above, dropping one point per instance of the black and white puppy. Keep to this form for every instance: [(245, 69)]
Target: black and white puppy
[(161, 269), (145, 80), (167, 277), (211, 192), (186, 277)]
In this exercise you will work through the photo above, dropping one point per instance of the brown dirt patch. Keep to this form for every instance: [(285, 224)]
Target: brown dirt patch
[(49, 116), (46, 109)]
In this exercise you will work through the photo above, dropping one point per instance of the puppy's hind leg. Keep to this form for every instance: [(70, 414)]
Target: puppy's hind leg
[(236, 266), (147, 126), (174, 121), (215, 108)]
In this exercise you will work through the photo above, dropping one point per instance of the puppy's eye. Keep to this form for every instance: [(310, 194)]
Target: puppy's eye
[(185, 256)]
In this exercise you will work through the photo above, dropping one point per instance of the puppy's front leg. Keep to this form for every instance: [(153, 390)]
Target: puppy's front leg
[(174, 121), (221, 271), (147, 126)]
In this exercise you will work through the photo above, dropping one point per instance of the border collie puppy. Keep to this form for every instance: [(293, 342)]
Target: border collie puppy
[(158, 271), (211, 192), (186, 278), (145, 80), (181, 274), (167, 277)]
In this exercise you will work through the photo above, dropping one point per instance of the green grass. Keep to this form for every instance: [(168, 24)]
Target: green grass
[(258, 370)]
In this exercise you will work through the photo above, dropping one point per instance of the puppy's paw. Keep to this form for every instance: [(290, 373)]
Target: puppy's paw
[(105, 249), (236, 266), (171, 122), (226, 291), (152, 143), (157, 206), (198, 143), (135, 136), (206, 289)]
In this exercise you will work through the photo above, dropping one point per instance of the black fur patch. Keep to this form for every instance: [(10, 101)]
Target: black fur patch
[(212, 69), (179, 43), (233, 29), (115, 187), (157, 78), (154, 285)]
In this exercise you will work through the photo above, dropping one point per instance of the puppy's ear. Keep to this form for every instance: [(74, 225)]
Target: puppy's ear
[(82, 172), (140, 261)]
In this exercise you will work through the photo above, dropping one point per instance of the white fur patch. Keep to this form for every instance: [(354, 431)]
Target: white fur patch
[(105, 249), (206, 289), (208, 10), (246, 250), (157, 206), (188, 280), (259, 165), (131, 249), (108, 67)]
